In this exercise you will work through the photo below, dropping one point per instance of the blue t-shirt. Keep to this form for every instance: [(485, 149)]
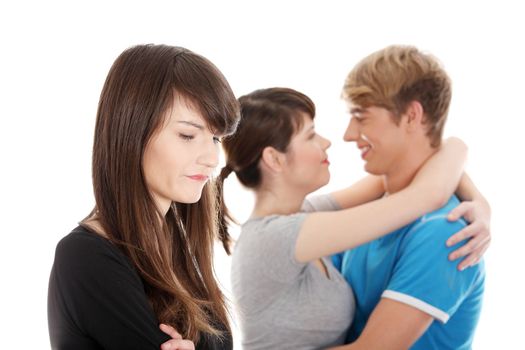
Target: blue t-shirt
[(411, 266)]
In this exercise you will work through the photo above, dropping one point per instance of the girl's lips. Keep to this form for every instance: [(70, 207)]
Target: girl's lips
[(198, 177), (326, 161)]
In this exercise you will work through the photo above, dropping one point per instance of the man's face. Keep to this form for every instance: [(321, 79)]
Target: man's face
[(382, 143)]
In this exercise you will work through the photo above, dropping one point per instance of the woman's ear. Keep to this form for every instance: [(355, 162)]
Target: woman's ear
[(272, 159)]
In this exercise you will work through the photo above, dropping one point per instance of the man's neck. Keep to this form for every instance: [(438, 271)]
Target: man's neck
[(404, 172)]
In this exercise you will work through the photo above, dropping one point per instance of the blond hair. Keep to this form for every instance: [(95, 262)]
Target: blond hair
[(397, 75)]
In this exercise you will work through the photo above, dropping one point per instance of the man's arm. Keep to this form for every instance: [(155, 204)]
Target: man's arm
[(392, 325), (424, 286)]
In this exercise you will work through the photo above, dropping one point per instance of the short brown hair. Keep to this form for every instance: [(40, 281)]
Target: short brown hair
[(397, 75)]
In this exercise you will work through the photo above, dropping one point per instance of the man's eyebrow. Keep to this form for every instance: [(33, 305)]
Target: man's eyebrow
[(357, 110), (187, 122)]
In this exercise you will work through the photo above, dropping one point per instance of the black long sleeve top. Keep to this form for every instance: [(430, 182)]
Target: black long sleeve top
[(96, 300)]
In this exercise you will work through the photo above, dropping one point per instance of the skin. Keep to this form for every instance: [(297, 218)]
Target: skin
[(303, 169), (388, 149), (178, 161), (289, 176), (180, 157), (395, 152), (176, 343)]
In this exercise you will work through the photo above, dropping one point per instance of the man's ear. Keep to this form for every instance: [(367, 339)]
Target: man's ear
[(272, 158), (414, 116)]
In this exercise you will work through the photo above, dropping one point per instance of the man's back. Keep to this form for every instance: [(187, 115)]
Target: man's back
[(411, 266)]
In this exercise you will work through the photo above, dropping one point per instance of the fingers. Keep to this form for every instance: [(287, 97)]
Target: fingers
[(459, 211), (178, 344), (471, 230), (473, 251), (473, 258), (169, 330), (472, 245)]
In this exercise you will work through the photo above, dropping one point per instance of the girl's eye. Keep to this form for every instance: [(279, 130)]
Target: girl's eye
[(216, 139), (186, 137)]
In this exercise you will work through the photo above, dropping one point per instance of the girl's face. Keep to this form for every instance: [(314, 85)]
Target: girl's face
[(306, 159), (180, 157)]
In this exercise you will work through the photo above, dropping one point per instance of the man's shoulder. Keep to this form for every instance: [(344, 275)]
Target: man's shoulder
[(439, 218), (443, 211), (436, 223)]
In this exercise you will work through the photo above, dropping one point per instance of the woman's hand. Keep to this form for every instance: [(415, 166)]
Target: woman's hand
[(477, 213), (176, 343)]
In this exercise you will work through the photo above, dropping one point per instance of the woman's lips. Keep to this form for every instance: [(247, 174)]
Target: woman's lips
[(198, 177)]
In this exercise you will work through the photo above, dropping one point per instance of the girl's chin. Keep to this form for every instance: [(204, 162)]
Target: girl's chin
[(189, 199)]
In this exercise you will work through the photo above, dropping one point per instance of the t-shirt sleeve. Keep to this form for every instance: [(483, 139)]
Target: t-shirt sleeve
[(423, 276), (337, 260), (103, 296), (322, 202), (276, 247)]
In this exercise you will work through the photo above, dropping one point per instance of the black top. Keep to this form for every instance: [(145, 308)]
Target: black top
[(96, 300)]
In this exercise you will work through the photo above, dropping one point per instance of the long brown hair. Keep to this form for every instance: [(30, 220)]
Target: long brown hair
[(172, 253), (270, 117)]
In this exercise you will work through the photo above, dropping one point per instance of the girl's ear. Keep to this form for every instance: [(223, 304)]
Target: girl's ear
[(273, 159)]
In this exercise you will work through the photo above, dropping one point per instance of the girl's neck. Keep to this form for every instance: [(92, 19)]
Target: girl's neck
[(94, 224), (277, 202)]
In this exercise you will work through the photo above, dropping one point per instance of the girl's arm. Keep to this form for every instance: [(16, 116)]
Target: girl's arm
[(326, 233), (476, 210), (363, 191)]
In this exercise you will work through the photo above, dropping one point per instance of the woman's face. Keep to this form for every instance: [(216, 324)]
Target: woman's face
[(307, 160), (180, 157)]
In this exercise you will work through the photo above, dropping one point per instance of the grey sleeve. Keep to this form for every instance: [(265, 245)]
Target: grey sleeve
[(276, 247), (322, 202)]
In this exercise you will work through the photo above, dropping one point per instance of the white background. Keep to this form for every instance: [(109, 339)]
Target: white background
[(55, 56)]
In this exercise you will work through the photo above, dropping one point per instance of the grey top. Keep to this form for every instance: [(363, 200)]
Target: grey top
[(281, 303)]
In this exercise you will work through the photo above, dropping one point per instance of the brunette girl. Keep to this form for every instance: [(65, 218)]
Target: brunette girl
[(144, 254)]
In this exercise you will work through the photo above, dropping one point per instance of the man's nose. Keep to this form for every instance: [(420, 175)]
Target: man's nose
[(352, 131)]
